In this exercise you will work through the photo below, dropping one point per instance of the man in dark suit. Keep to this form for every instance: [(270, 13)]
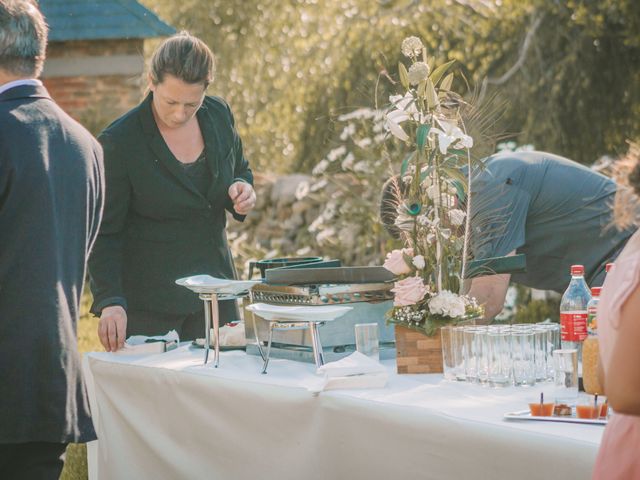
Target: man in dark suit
[(51, 199)]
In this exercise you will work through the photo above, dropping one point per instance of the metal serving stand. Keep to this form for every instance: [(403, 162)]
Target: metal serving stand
[(211, 290), (366, 289)]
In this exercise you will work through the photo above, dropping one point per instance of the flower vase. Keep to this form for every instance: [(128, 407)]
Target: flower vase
[(417, 352)]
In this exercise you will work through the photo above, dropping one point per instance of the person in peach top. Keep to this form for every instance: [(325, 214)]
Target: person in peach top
[(619, 337)]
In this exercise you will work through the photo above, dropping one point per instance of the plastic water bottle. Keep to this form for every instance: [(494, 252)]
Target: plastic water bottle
[(573, 311)]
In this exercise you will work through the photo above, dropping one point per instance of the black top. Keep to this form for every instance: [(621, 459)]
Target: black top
[(51, 196), (199, 173), (158, 225)]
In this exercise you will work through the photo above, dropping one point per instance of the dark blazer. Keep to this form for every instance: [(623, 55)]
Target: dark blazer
[(51, 196), (157, 226)]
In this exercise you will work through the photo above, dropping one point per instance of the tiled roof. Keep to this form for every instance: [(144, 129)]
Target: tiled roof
[(101, 19)]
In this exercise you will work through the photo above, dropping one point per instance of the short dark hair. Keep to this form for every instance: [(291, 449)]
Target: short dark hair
[(23, 38), (185, 57)]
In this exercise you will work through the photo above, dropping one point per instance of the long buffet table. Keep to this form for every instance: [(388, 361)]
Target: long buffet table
[(166, 416)]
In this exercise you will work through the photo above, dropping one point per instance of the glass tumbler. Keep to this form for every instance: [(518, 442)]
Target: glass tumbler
[(499, 343), (367, 340), (565, 362), (523, 356)]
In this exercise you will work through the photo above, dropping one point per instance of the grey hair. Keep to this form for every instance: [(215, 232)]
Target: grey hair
[(23, 38)]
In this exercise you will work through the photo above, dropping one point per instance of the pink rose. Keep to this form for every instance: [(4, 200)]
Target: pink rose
[(395, 261), (409, 291)]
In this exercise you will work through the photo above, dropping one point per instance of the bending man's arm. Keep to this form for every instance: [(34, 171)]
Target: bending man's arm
[(490, 291)]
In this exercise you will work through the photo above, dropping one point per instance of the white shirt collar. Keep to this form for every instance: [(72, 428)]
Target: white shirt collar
[(18, 83)]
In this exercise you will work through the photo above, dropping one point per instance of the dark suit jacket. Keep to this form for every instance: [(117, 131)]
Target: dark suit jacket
[(157, 227), (51, 195)]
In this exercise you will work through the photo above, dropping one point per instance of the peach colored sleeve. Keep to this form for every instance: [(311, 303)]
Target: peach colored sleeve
[(624, 282)]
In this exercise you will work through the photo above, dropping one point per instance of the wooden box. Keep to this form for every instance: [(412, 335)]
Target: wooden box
[(417, 352)]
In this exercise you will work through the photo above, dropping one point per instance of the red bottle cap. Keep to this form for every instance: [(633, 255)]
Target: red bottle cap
[(595, 291), (577, 270), (608, 267)]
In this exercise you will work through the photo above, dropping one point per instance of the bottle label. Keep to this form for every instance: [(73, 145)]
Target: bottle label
[(573, 326), (592, 320)]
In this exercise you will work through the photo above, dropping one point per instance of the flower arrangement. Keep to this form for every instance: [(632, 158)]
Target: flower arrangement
[(429, 200)]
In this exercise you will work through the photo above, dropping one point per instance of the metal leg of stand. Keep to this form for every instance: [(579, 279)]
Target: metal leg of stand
[(266, 359), (318, 354), (207, 327), (216, 329), (255, 332)]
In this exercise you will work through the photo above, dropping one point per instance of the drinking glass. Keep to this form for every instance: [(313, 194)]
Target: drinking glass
[(470, 354), (458, 353), (482, 354), (499, 342), (552, 337), (540, 352), (448, 355), (367, 340), (523, 355), (565, 363)]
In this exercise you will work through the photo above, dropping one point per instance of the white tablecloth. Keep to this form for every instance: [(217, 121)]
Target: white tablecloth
[(167, 416)]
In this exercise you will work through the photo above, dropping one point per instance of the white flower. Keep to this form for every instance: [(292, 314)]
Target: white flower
[(447, 304), (348, 161), (411, 47), (302, 190), (364, 142), (349, 130), (325, 236), (336, 153), (451, 134), (319, 185), (418, 72), (393, 124), (405, 109), (418, 262), (320, 167), (361, 167), (456, 216), (407, 179)]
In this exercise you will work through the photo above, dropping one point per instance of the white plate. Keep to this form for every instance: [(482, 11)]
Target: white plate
[(320, 313), (526, 415), (209, 284)]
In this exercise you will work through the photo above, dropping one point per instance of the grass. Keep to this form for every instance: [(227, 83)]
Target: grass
[(75, 467)]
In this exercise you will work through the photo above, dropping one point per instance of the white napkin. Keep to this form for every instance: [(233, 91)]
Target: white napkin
[(231, 335), (137, 344), (355, 371)]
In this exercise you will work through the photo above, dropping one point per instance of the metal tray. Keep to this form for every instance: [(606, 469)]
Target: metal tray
[(526, 415)]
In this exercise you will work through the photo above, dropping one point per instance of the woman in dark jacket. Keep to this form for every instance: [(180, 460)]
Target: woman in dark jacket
[(173, 165)]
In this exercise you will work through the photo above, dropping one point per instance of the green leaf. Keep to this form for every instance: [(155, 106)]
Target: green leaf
[(404, 75), (405, 163), (422, 89), (446, 83), (436, 75), (432, 98), (456, 174), (421, 135), (459, 152)]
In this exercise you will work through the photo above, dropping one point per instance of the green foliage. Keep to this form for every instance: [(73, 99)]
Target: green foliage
[(570, 70)]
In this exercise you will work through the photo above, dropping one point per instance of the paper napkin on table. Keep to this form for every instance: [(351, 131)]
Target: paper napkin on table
[(138, 344), (355, 371)]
